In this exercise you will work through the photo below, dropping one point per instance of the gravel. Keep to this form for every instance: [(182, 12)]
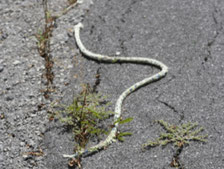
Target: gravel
[(22, 123)]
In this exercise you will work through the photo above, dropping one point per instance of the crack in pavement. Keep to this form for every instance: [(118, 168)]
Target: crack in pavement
[(219, 27), (181, 114)]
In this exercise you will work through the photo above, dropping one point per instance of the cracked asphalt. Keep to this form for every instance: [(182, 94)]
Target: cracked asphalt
[(186, 35)]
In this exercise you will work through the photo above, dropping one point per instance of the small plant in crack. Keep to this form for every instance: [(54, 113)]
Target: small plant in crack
[(43, 46), (178, 135), (84, 116), (43, 37)]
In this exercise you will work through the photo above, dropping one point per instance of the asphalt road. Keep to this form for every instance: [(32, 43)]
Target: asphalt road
[(186, 35)]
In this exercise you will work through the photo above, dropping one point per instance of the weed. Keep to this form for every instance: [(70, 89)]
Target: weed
[(85, 115), (43, 41), (178, 135), (119, 134)]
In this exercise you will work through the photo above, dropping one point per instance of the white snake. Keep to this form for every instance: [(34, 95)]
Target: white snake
[(103, 58)]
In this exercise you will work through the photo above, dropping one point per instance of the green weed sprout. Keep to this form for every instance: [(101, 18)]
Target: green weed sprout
[(84, 115), (178, 135)]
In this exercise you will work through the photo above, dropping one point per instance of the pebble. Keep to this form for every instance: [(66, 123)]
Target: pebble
[(16, 62), (5, 149), (22, 144), (70, 66), (25, 156), (118, 53)]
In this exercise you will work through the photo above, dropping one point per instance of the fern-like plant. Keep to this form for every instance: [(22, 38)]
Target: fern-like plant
[(84, 115), (178, 135)]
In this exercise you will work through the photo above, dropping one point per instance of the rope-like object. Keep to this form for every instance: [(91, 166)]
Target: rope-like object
[(103, 58)]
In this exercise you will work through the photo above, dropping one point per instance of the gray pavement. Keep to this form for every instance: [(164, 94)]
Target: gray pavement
[(186, 35)]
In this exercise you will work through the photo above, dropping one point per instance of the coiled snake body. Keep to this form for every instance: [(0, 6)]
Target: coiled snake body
[(103, 58)]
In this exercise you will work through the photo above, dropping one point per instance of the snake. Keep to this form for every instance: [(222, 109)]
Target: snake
[(111, 137)]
